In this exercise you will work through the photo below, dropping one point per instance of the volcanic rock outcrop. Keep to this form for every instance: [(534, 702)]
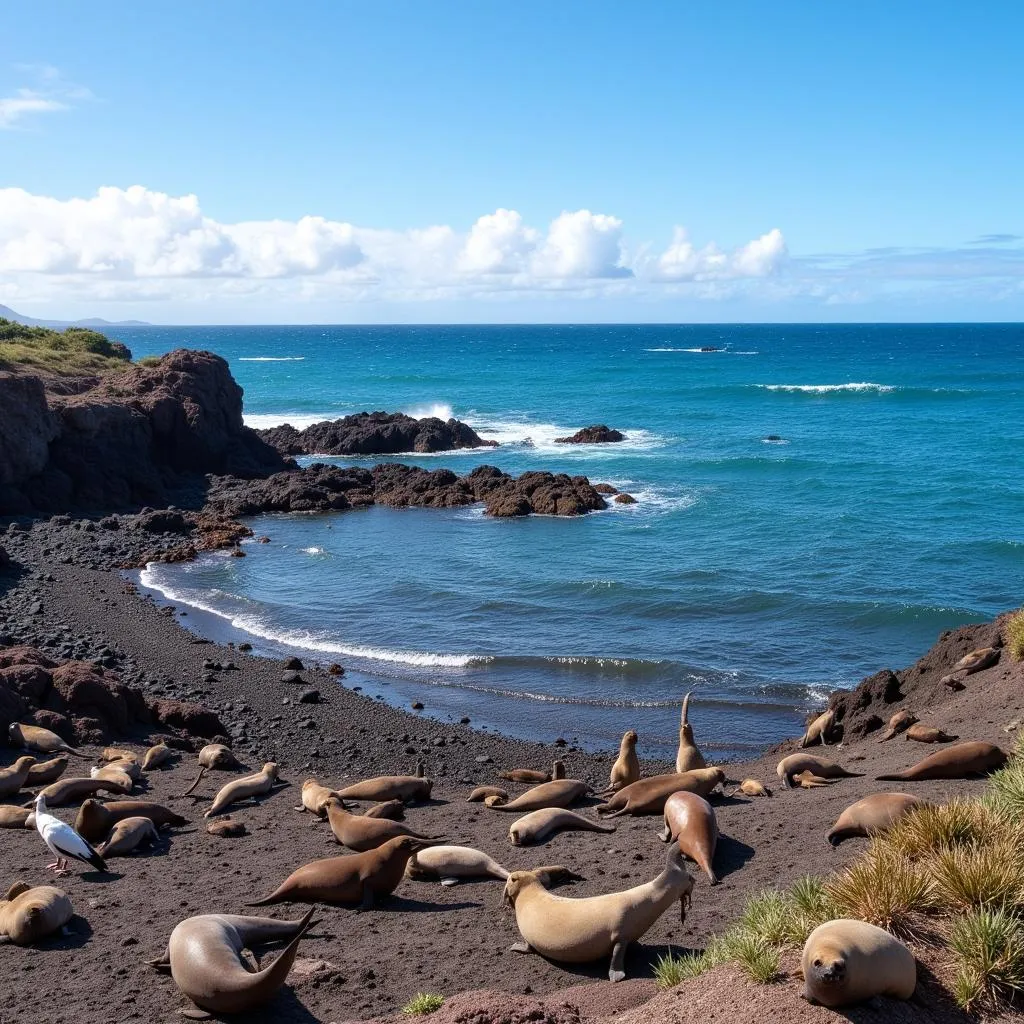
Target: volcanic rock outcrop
[(596, 434)]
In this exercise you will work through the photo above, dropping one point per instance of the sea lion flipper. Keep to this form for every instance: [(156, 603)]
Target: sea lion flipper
[(520, 947), (449, 881), (194, 1012), (162, 963), (617, 967)]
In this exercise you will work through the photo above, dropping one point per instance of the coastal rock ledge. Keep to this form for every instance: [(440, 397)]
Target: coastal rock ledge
[(596, 434)]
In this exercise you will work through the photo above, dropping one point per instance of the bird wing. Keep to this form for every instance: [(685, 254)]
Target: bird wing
[(63, 840)]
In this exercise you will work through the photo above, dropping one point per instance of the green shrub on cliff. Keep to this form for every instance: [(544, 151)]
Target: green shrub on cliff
[(1015, 635), (70, 352)]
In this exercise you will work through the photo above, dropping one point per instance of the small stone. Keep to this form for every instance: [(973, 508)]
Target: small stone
[(417, 705), (335, 669), (464, 720), (291, 677), (484, 759), (561, 742), (295, 664), (309, 697), (245, 647)]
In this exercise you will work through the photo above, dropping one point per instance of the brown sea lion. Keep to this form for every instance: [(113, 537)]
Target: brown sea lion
[(32, 737), (536, 826), (157, 756), (557, 793), (688, 756), (407, 788), (45, 772), (875, 813), (118, 754), (12, 779), (95, 820), (984, 657), (15, 817), (626, 769), (28, 914), (360, 833), (481, 793), (960, 761), (648, 796), (70, 791), (126, 836), (115, 775), (204, 956), (928, 734), (691, 821), (808, 780), (393, 809), (315, 797), (789, 766), (214, 757), (128, 765), (899, 721), (751, 787), (819, 730), (846, 962), (228, 828), (357, 878), (529, 775), (244, 789)]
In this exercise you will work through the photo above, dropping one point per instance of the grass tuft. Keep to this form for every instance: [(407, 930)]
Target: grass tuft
[(989, 949), (810, 905), (73, 351), (1005, 795), (423, 1003), (931, 828), (758, 958), (1015, 635), (766, 917), (989, 875), (883, 888)]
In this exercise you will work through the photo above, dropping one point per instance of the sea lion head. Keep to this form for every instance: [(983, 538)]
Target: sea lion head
[(410, 845), (513, 835), (14, 732), (630, 738), (271, 769), (514, 885), (23, 764), (828, 967)]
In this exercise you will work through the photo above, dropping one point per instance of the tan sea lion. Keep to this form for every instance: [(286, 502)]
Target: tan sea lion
[(70, 791), (42, 774), (538, 825), (227, 828), (28, 914), (115, 775), (407, 788), (126, 836), (957, 762), (244, 789), (557, 793), (204, 956), (846, 962), (626, 769), (130, 767), (360, 833), (14, 817), (529, 775), (688, 756), (589, 928), (899, 721), (157, 756), (393, 809), (481, 793), (984, 657), (751, 787), (12, 779), (450, 863), (928, 734), (808, 780), (790, 766), (214, 757), (356, 878), (315, 797), (118, 754), (95, 820), (32, 737), (875, 813), (691, 821), (648, 796), (818, 731)]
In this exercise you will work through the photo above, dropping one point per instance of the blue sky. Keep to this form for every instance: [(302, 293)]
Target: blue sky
[(404, 161)]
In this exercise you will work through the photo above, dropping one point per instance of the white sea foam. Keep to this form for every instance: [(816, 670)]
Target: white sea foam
[(824, 389), (440, 410), (518, 431), (299, 420), (271, 359), (313, 551), (709, 352)]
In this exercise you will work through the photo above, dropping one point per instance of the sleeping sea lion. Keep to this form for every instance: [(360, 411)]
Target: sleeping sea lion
[(15, 817), (393, 809), (928, 734), (875, 813), (115, 775), (28, 914), (538, 825), (244, 789), (126, 836), (407, 788), (450, 863), (648, 796), (751, 787), (71, 791), (32, 737), (688, 756), (899, 721), (790, 766), (42, 774), (691, 821), (315, 797), (156, 756), (557, 793), (960, 761), (529, 775), (360, 833), (984, 657), (214, 757), (95, 820), (481, 793)]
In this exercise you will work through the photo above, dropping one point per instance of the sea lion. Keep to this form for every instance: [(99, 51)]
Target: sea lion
[(129, 765), (688, 756), (626, 769), (875, 813), (789, 766), (808, 780), (538, 825), (117, 754), (71, 791), (450, 863), (204, 957), (557, 793), (407, 788), (12, 779), (42, 774), (30, 913), (393, 809), (899, 721), (32, 737), (481, 793), (648, 796), (156, 756), (95, 820), (214, 757), (126, 836), (818, 731), (250, 786), (957, 762), (928, 734), (846, 962), (529, 775), (226, 828), (691, 820), (15, 817), (360, 833), (315, 797), (984, 657), (115, 775), (580, 930), (751, 787), (356, 878)]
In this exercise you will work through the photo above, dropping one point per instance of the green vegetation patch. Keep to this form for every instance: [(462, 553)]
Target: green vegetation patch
[(423, 1003), (72, 352)]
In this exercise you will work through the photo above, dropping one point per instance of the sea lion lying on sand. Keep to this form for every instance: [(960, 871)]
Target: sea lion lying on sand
[(875, 813), (557, 793), (960, 761), (790, 766), (28, 914), (648, 796)]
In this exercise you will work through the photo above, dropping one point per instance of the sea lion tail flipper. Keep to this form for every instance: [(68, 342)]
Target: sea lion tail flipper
[(520, 947), (894, 777), (194, 1012), (16, 890), (611, 814), (712, 877), (162, 963), (71, 750), (684, 717), (199, 778)]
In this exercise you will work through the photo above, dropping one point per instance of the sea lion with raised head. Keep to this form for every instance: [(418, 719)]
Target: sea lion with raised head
[(688, 756), (795, 763), (481, 793), (626, 769), (899, 721), (529, 775), (928, 734), (691, 821), (315, 797), (393, 809), (536, 826), (95, 820), (846, 962), (156, 756), (32, 737), (960, 761), (751, 787), (580, 930), (204, 957), (450, 863), (43, 773), (360, 833), (126, 837), (12, 779), (407, 788), (357, 878), (70, 791), (648, 796), (557, 793), (871, 815), (15, 817), (246, 788), (30, 913), (819, 730)]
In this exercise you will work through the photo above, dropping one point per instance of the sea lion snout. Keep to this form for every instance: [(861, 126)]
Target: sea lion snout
[(832, 971)]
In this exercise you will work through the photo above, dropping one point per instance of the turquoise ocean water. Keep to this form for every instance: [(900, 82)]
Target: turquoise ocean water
[(760, 574)]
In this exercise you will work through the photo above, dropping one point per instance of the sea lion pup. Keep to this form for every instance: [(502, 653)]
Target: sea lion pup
[(204, 956), (114, 775), (984, 657), (360, 833), (42, 774), (648, 796), (450, 863), (688, 756), (32, 737), (157, 756), (957, 762), (95, 820), (900, 721), (580, 930), (393, 809), (790, 766), (126, 836), (243, 789), (227, 828), (529, 775), (808, 780), (15, 817), (71, 791), (928, 734), (875, 813), (819, 730), (214, 757), (847, 962), (13, 778), (481, 793), (557, 793), (538, 825), (315, 797), (626, 769), (30, 913), (357, 878), (691, 820), (751, 787), (407, 788)]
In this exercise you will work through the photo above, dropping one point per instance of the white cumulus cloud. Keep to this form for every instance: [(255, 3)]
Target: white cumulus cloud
[(683, 261), (583, 245)]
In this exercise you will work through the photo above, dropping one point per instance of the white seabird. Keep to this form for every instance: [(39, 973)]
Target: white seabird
[(63, 841)]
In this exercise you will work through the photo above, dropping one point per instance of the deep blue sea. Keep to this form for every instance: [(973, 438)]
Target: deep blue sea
[(759, 574)]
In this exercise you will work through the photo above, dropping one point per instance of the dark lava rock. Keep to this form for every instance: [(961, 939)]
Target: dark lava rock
[(416, 706), (605, 489), (295, 664), (5, 559), (309, 697), (291, 677), (624, 499), (335, 669), (596, 434)]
